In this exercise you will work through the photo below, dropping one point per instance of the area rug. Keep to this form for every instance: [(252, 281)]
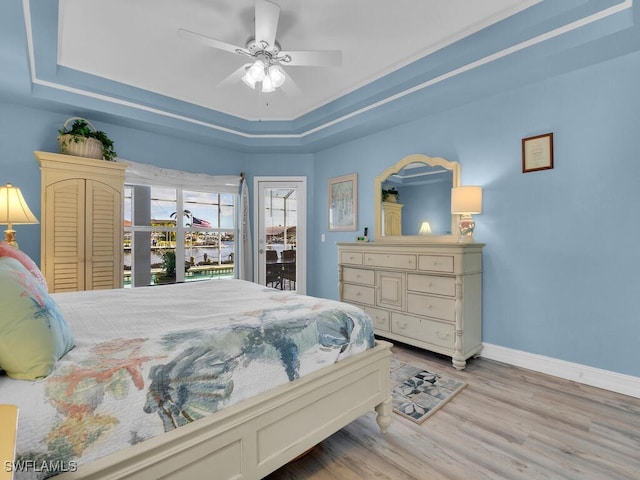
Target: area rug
[(417, 393)]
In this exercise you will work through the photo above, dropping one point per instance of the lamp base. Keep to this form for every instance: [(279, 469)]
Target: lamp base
[(10, 237), (466, 226)]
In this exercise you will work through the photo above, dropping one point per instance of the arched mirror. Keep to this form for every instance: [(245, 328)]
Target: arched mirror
[(413, 200)]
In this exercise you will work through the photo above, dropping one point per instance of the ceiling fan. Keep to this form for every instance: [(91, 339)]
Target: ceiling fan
[(266, 54)]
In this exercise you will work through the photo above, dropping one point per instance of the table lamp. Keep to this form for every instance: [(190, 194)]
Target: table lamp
[(425, 228), (13, 210), (466, 201)]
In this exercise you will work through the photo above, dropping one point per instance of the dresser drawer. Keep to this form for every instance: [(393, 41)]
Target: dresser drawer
[(429, 306), (393, 260), (380, 318), (431, 284), (424, 330), (436, 263), (358, 294), (358, 275), (351, 258)]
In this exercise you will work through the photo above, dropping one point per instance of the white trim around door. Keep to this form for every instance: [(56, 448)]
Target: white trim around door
[(260, 185)]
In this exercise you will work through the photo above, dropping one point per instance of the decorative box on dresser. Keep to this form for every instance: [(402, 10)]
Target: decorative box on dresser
[(81, 239), (428, 295)]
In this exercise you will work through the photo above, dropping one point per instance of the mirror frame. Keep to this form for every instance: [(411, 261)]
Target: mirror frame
[(454, 167)]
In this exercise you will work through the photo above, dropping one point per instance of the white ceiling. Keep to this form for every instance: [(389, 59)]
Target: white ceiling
[(136, 43)]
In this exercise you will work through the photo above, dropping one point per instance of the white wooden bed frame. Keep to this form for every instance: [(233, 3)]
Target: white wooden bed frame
[(257, 436)]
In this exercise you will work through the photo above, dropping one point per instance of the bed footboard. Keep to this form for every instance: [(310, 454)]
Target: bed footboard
[(254, 438)]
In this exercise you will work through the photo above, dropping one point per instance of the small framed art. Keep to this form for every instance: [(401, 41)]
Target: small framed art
[(343, 203), (537, 153)]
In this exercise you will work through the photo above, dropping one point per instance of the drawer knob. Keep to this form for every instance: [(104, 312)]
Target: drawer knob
[(429, 284), (402, 325)]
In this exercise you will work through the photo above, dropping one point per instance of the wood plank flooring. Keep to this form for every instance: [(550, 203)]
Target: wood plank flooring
[(508, 423)]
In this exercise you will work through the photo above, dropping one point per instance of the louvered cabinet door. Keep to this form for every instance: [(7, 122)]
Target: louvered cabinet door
[(64, 233), (392, 218), (103, 267)]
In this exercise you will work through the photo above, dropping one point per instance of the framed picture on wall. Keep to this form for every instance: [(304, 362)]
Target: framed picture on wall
[(537, 153), (343, 203)]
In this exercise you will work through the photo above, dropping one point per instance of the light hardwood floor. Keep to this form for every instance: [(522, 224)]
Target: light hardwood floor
[(508, 423)]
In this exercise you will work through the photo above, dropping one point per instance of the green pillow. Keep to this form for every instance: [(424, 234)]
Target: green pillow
[(33, 334)]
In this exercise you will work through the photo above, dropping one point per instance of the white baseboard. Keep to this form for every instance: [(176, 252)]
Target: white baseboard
[(596, 377)]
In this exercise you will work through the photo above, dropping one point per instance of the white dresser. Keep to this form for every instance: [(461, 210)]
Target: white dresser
[(424, 294)]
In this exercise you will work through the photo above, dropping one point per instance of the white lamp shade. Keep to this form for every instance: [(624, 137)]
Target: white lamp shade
[(267, 85), (277, 76), (248, 80), (425, 228), (13, 208), (256, 71), (467, 199)]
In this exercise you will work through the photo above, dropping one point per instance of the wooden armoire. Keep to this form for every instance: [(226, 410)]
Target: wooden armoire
[(81, 238)]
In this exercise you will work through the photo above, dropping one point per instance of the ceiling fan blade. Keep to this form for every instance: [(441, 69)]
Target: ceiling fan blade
[(318, 58), (211, 42), (234, 77), (267, 16)]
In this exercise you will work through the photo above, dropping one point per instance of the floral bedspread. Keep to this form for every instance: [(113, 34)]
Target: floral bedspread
[(149, 360)]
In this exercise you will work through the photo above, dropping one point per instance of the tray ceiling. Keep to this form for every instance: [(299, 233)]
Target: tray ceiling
[(136, 43)]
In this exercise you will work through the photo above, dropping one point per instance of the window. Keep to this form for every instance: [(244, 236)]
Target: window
[(175, 234)]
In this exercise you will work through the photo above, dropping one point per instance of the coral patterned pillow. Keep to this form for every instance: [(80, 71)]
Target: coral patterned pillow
[(7, 250), (33, 333)]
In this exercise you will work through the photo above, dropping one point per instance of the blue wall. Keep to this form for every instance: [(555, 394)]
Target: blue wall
[(561, 257)]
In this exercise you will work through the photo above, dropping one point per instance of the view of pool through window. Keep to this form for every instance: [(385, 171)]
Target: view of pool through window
[(163, 225)]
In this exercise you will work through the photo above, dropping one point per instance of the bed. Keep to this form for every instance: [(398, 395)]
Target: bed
[(161, 383)]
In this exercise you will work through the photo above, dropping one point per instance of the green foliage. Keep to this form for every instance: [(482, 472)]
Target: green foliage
[(80, 129), (169, 263), (389, 191)]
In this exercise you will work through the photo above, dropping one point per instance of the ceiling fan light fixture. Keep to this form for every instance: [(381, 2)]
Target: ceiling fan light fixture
[(249, 81), (276, 75), (257, 71), (267, 85)]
